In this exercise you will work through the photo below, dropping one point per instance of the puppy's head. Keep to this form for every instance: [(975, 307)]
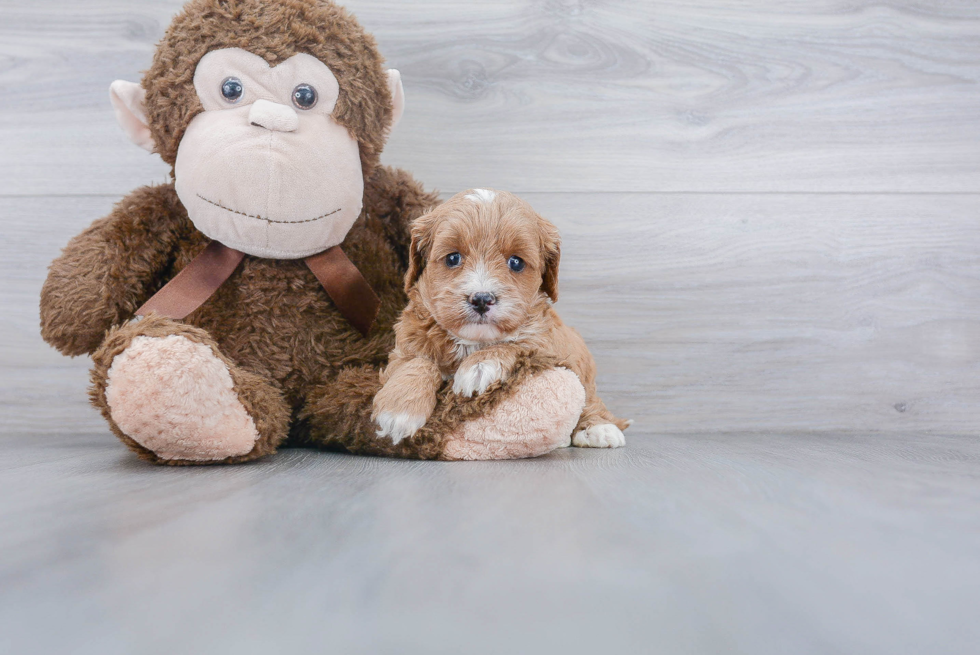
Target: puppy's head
[(482, 262)]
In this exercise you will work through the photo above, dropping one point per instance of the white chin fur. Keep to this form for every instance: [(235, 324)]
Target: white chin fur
[(475, 379), (398, 426), (479, 332)]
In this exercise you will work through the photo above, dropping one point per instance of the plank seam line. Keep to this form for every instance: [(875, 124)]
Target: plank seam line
[(592, 193)]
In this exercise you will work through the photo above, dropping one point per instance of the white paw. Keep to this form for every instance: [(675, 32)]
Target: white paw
[(604, 435), (475, 379), (398, 426)]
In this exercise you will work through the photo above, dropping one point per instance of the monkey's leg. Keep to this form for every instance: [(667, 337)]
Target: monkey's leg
[(171, 396), (535, 416), (536, 419), (337, 416)]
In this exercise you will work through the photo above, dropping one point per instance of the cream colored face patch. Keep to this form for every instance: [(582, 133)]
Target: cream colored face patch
[(266, 169)]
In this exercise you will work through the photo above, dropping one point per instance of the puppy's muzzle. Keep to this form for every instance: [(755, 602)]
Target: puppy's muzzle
[(482, 301)]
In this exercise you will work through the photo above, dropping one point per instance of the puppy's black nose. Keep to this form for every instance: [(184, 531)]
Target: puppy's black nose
[(481, 302)]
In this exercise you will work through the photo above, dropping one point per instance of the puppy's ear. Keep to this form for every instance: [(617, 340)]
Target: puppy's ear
[(418, 251), (551, 255)]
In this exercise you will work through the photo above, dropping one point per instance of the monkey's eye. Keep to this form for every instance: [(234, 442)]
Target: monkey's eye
[(304, 96), (232, 89), (454, 259), (516, 264)]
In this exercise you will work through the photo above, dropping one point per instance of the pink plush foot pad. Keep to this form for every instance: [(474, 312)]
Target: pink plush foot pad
[(537, 419), (174, 397)]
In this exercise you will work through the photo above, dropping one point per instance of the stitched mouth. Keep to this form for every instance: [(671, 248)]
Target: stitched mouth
[(263, 218)]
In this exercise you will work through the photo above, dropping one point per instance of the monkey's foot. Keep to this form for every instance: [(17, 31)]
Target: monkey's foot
[(537, 419), (176, 398)]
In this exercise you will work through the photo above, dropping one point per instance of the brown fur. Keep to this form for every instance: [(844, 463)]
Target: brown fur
[(275, 31), (438, 315), (272, 322), (301, 371), (340, 418), (262, 400)]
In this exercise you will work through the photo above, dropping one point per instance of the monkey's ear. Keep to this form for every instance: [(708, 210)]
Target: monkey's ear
[(551, 251), (397, 97), (418, 252), (128, 99)]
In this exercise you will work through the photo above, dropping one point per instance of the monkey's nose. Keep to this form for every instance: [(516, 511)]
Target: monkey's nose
[(273, 116), (481, 302)]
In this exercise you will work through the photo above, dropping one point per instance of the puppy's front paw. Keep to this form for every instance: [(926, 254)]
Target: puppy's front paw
[(604, 435), (399, 426), (476, 378)]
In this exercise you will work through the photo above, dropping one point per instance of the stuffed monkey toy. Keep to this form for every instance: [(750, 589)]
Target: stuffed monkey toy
[(249, 304)]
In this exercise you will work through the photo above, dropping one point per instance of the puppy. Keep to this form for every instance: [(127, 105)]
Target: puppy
[(483, 274)]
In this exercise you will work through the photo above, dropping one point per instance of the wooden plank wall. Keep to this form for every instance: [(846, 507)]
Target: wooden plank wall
[(770, 209)]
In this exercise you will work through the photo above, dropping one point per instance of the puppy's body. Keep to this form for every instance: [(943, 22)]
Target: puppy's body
[(483, 274)]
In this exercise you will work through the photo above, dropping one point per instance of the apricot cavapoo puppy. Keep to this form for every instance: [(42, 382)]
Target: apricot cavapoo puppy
[(483, 274)]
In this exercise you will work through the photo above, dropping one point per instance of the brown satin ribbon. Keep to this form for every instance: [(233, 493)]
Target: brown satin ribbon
[(189, 289), (348, 289)]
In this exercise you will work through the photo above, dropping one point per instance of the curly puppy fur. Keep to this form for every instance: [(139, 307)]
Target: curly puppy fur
[(483, 276), (303, 373), (341, 416)]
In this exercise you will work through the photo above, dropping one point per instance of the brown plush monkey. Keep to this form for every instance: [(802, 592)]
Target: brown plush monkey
[(284, 243)]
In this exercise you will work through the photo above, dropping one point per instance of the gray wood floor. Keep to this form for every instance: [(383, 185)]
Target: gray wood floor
[(771, 215)]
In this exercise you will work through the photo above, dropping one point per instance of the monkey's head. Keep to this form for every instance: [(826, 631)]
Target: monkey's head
[(271, 113)]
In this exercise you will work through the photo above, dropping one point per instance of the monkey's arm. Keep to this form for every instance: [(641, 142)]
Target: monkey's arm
[(393, 197), (105, 273)]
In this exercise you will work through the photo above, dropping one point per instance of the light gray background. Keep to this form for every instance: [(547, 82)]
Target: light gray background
[(770, 213)]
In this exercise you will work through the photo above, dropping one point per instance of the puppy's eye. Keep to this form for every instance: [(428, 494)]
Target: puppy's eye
[(516, 264), (232, 89), (454, 259), (304, 96)]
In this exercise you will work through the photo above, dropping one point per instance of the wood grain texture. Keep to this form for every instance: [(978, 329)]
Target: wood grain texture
[(677, 544), (772, 245), (721, 313), (828, 95)]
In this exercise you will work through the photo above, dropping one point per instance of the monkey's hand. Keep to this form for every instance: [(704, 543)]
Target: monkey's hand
[(105, 273), (407, 399)]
